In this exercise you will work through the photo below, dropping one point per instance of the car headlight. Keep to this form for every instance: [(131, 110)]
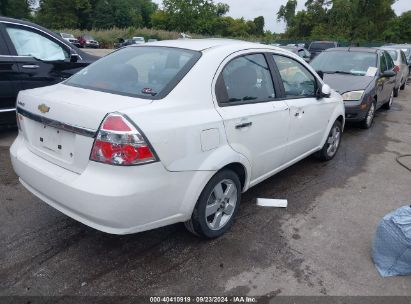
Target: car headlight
[(353, 95)]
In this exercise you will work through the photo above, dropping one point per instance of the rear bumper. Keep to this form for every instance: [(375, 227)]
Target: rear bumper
[(117, 200)]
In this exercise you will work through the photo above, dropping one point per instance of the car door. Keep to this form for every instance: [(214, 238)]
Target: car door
[(383, 83), (404, 66), (42, 60), (309, 115), (8, 72), (254, 118)]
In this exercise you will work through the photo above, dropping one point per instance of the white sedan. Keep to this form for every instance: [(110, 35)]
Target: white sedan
[(172, 131)]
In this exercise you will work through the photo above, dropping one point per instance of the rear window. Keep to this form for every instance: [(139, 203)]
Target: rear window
[(144, 72), (356, 63), (321, 45)]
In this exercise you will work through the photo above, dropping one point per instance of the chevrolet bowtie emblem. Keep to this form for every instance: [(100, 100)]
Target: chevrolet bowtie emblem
[(43, 108)]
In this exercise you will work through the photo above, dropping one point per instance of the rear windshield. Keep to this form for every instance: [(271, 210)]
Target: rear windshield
[(144, 72), (356, 63), (321, 45)]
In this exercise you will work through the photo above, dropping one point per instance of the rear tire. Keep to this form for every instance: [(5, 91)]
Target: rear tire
[(332, 144), (402, 88), (217, 206), (396, 92), (389, 103)]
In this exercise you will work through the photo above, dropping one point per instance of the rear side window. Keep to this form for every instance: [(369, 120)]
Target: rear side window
[(246, 79), (297, 80), (3, 47), (390, 63), (393, 54), (403, 57), (145, 72), (383, 64)]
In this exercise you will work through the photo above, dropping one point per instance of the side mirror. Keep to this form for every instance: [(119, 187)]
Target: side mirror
[(321, 74), (324, 91), (389, 74), (74, 57)]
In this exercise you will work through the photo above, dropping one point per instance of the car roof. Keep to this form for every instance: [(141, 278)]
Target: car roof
[(389, 48), (353, 49), (324, 41), (209, 43)]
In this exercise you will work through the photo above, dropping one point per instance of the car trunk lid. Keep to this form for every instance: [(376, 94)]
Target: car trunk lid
[(59, 123)]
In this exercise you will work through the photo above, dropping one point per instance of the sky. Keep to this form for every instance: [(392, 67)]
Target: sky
[(249, 9)]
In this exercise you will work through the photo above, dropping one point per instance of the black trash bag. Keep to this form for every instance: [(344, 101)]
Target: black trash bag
[(392, 244)]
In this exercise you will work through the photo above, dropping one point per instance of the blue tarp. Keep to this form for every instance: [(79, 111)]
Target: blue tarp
[(392, 243)]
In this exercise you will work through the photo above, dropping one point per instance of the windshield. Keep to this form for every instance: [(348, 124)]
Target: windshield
[(145, 72), (356, 63), (88, 37), (321, 45)]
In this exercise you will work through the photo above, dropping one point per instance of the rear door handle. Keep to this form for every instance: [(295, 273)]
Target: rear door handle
[(243, 125), (30, 66)]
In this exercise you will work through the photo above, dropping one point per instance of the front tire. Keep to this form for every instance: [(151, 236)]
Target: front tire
[(396, 92), (369, 117), (331, 146), (217, 206)]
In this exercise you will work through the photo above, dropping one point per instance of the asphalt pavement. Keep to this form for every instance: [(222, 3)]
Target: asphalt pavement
[(319, 245)]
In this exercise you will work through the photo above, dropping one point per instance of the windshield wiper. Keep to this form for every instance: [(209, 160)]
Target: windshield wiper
[(337, 72)]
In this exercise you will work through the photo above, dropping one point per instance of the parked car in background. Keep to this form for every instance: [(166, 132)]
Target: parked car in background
[(401, 68), (30, 57), (139, 40), (87, 41), (406, 48), (300, 51), (70, 38), (98, 149), (317, 47), (365, 77), (124, 42)]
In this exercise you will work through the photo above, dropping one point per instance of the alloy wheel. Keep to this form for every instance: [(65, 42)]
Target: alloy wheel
[(370, 115), (391, 99), (221, 204), (334, 141)]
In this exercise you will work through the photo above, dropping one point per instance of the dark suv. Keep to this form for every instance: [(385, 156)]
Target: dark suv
[(317, 47), (30, 57)]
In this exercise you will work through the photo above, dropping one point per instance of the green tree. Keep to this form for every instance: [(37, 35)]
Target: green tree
[(196, 16), (19, 9), (353, 20), (123, 13), (259, 25), (57, 14), (286, 13)]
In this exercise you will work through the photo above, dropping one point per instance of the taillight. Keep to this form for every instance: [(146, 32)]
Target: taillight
[(397, 69), (18, 119), (118, 142)]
